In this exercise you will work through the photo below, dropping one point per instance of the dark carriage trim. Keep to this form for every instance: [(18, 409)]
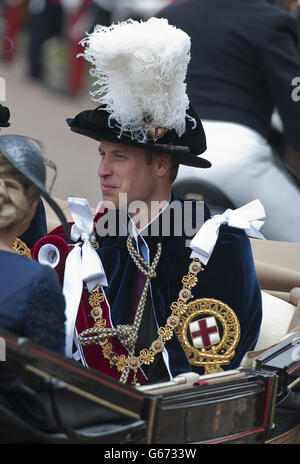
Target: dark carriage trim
[(216, 402), (294, 368), (264, 427), (239, 406), (113, 394), (283, 360)]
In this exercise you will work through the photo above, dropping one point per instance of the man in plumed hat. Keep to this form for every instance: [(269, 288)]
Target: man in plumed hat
[(161, 300)]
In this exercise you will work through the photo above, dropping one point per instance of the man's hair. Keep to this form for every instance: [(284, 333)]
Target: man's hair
[(173, 169)]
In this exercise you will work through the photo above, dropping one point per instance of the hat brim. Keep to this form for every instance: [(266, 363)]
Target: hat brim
[(186, 158), (4, 116), (185, 150)]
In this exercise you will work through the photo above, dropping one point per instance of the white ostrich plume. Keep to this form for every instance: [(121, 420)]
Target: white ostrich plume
[(140, 69)]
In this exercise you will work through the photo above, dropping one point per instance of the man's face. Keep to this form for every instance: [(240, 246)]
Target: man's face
[(124, 169), (289, 5)]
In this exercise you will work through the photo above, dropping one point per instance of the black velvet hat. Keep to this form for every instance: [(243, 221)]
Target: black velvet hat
[(140, 70), (185, 149), (4, 116)]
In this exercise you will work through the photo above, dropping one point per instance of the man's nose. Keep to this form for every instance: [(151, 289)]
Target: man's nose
[(104, 168)]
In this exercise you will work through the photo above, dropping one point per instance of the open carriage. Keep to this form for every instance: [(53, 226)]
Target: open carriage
[(47, 398)]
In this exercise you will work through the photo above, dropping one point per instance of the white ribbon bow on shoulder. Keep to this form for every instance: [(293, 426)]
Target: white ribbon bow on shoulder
[(83, 264), (246, 217), (92, 270)]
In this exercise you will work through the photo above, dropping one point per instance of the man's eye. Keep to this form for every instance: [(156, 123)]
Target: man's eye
[(120, 156)]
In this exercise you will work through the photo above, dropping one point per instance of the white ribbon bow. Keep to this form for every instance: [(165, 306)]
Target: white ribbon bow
[(246, 217), (83, 264)]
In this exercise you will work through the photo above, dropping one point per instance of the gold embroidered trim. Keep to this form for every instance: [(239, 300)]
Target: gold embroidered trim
[(21, 248), (147, 355), (127, 334), (182, 313), (213, 356)]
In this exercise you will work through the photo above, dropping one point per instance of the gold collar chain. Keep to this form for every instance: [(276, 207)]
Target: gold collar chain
[(99, 335), (21, 248)]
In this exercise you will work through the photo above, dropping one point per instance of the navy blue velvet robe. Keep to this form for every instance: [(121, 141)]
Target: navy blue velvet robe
[(229, 276)]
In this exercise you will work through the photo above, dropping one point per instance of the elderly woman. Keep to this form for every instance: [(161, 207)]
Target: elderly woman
[(31, 300)]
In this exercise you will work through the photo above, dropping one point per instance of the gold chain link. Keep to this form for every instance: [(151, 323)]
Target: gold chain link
[(128, 334)]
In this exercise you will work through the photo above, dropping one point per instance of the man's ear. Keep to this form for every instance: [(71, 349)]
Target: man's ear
[(163, 164)]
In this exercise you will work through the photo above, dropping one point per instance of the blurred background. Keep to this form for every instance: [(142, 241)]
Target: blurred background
[(43, 83)]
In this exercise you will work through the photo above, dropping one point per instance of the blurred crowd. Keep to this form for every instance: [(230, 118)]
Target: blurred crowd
[(244, 60), (48, 33)]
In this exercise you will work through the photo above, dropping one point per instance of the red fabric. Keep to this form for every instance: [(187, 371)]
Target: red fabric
[(13, 21), (77, 67), (62, 247), (77, 25), (92, 353)]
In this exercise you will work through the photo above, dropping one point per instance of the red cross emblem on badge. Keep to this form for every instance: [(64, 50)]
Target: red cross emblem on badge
[(204, 332), (156, 132)]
